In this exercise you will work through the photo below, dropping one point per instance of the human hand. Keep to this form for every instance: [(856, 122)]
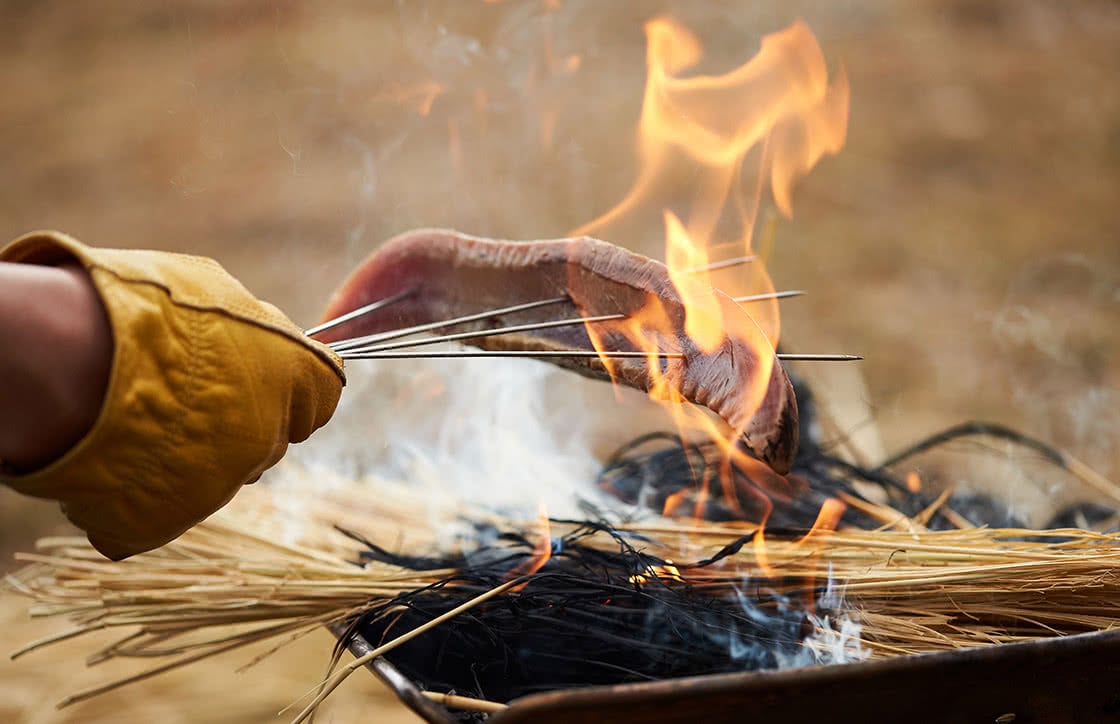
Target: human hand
[(208, 387)]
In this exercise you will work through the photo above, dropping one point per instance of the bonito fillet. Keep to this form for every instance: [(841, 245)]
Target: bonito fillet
[(450, 274)]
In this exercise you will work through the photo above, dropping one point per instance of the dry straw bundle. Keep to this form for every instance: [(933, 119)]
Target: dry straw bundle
[(235, 580), (917, 591)]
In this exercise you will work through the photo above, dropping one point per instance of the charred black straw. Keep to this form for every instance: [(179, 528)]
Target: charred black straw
[(590, 616)]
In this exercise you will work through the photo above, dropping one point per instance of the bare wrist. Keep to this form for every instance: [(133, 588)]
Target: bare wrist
[(54, 375)]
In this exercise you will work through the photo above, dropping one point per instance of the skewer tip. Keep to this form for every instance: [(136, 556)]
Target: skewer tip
[(797, 357)]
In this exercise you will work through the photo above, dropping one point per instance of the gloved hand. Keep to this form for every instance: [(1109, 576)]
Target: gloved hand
[(208, 386)]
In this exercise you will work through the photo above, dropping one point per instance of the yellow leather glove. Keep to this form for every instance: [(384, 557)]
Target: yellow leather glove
[(208, 386)]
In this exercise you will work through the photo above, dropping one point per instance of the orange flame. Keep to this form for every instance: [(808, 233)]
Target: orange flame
[(760, 555), (675, 503), (665, 572), (542, 551), (702, 310), (780, 112), (827, 519)]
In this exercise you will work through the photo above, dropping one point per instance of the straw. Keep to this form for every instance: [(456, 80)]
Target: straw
[(229, 582)]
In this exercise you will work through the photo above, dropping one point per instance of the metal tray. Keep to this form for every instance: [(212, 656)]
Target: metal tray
[(1049, 681)]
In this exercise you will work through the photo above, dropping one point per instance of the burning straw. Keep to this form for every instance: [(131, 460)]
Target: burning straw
[(610, 604)]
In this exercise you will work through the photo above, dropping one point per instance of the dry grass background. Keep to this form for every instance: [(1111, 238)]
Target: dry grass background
[(965, 241)]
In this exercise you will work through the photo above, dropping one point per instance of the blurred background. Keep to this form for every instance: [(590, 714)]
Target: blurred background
[(965, 241)]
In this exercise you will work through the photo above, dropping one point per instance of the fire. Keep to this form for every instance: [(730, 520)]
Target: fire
[(762, 125), (703, 314), (676, 503), (667, 571), (714, 152), (542, 551), (827, 519), (761, 557)]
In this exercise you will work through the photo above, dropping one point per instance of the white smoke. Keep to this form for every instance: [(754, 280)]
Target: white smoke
[(835, 640), (507, 434), (836, 636), (504, 434)]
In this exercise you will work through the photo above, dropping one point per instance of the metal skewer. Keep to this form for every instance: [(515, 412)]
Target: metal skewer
[(367, 347), (769, 295), (726, 263), (370, 339), (427, 354), (381, 303), (370, 343), (530, 327), (796, 357), (360, 311), (374, 354), (373, 306)]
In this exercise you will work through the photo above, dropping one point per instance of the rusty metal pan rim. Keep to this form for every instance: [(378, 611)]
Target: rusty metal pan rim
[(1101, 647), (1020, 656)]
